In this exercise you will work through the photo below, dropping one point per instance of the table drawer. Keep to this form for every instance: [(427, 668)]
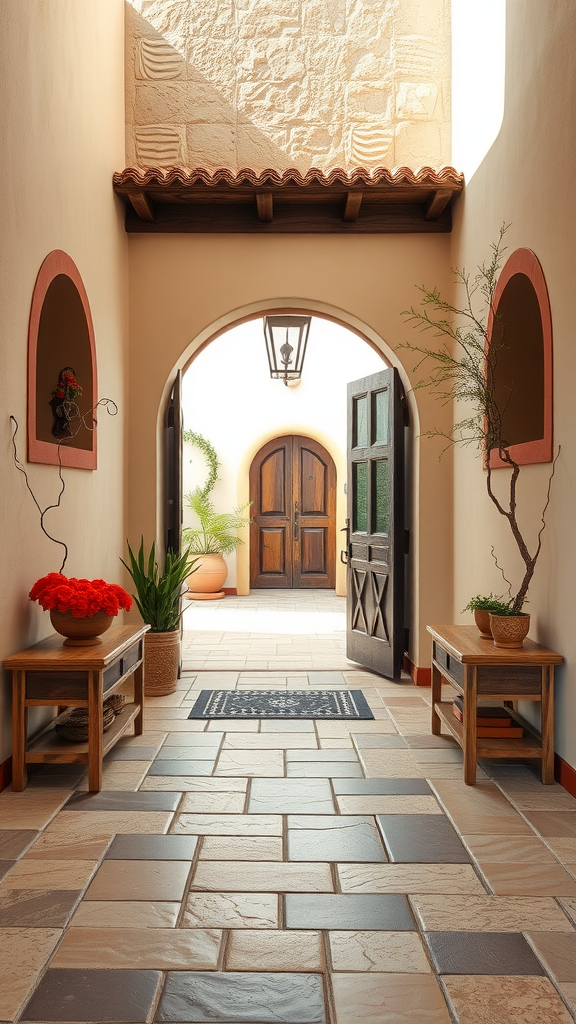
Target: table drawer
[(503, 679), (56, 685), (452, 666), (119, 668)]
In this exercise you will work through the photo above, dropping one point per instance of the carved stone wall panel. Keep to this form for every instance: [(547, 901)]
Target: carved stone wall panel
[(158, 60), (370, 147), (160, 145), (288, 83)]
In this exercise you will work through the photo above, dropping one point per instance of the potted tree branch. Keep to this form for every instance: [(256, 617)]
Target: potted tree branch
[(463, 369)]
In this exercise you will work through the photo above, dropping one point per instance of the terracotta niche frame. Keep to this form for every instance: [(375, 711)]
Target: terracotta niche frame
[(524, 261), (59, 292)]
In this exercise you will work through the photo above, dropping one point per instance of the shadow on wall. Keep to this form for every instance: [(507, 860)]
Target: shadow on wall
[(298, 86)]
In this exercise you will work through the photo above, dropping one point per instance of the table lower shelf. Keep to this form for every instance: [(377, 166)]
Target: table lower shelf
[(528, 746), (50, 748)]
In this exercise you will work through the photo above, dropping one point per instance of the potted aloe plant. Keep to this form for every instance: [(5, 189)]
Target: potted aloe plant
[(158, 598), (214, 534)]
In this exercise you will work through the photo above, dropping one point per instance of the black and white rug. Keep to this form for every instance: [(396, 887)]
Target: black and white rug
[(281, 704)]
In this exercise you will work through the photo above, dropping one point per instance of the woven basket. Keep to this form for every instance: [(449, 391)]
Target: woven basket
[(116, 702), (161, 660), (74, 727)]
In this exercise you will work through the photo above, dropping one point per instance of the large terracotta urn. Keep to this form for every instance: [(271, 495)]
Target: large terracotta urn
[(205, 583)]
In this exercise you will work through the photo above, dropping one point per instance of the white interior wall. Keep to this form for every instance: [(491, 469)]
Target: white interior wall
[(230, 398)]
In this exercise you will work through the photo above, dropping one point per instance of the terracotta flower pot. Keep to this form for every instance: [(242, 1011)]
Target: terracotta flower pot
[(482, 620), (205, 583), (161, 660), (84, 632), (509, 631)]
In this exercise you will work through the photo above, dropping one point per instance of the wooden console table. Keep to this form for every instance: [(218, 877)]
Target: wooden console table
[(49, 674), (478, 670)]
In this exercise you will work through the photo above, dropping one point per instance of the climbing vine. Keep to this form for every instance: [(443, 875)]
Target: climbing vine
[(211, 458)]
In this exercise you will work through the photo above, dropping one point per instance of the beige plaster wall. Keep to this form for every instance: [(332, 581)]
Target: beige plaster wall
[(61, 111), (527, 180), (288, 83), (184, 288)]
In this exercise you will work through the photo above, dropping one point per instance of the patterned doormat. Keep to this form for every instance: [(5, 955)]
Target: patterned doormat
[(281, 704)]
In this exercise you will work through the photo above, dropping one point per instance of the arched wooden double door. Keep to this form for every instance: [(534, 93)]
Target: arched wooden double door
[(293, 535)]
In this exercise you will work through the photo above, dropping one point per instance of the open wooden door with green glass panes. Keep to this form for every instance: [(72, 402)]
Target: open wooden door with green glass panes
[(376, 535)]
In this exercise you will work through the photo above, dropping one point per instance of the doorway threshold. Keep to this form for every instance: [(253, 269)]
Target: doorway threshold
[(281, 631)]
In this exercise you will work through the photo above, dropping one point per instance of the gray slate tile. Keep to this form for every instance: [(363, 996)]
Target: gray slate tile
[(178, 767), (94, 996), (242, 997), (120, 801), (150, 847), (36, 908), (348, 912), (502, 953), (421, 839), (322, 755), (13, 842)]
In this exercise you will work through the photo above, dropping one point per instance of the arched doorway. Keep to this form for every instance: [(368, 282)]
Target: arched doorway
[(293, 533)]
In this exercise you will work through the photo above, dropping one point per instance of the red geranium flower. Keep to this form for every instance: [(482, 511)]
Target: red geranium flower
[(83, 598)]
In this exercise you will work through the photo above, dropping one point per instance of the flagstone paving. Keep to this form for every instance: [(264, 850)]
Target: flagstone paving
[(295, 871)]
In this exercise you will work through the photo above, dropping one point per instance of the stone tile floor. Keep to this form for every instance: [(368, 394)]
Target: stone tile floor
[(290, 630), (305, 872)]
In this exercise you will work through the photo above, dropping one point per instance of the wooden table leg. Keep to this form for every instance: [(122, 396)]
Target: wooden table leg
[(470, 695), (436, 697), (95, 730), (19, 723), (548, 725), (139, 699)]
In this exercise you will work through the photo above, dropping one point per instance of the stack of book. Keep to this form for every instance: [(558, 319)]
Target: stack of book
[(491, 723)]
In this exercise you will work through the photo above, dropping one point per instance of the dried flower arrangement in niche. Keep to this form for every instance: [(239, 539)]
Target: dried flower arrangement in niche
[(63, 402)]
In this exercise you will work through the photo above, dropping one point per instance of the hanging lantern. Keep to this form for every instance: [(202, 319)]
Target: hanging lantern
[(286, 339)]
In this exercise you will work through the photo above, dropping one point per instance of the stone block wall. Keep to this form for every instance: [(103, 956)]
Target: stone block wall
[(287, 83)]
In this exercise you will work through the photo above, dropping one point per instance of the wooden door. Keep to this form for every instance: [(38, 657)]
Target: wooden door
[(173, 468), (376, 540), (293, 535)]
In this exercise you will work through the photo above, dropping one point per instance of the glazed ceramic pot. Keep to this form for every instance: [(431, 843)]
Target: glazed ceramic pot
[(509, 631), (205, 583), (84, 632)]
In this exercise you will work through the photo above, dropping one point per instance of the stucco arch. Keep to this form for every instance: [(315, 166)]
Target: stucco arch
[(187, 289)]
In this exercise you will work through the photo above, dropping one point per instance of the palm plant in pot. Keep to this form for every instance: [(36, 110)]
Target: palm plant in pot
[(464, 369), (158, 598), (214, 533)]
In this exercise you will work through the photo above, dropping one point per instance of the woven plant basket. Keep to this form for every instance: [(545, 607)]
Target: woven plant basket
[(161, 659), (74, 727), (116, 702)]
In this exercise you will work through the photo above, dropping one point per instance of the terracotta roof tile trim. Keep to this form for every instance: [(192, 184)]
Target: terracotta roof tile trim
[(447, 177)]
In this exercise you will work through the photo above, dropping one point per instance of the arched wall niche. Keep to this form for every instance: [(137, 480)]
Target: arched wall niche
[(60, 334), (523, 319)]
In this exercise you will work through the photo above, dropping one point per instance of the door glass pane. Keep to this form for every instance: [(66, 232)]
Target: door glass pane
[(380, 417), (360, 497), (360, 423), (380, 496)]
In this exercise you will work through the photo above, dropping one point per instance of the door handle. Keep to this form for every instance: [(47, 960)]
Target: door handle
[(296, 516), (346, 555)]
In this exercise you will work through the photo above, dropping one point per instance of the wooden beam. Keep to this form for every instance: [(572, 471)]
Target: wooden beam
[(437, 203), (265, 204), (353, 204), (142, 205)]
